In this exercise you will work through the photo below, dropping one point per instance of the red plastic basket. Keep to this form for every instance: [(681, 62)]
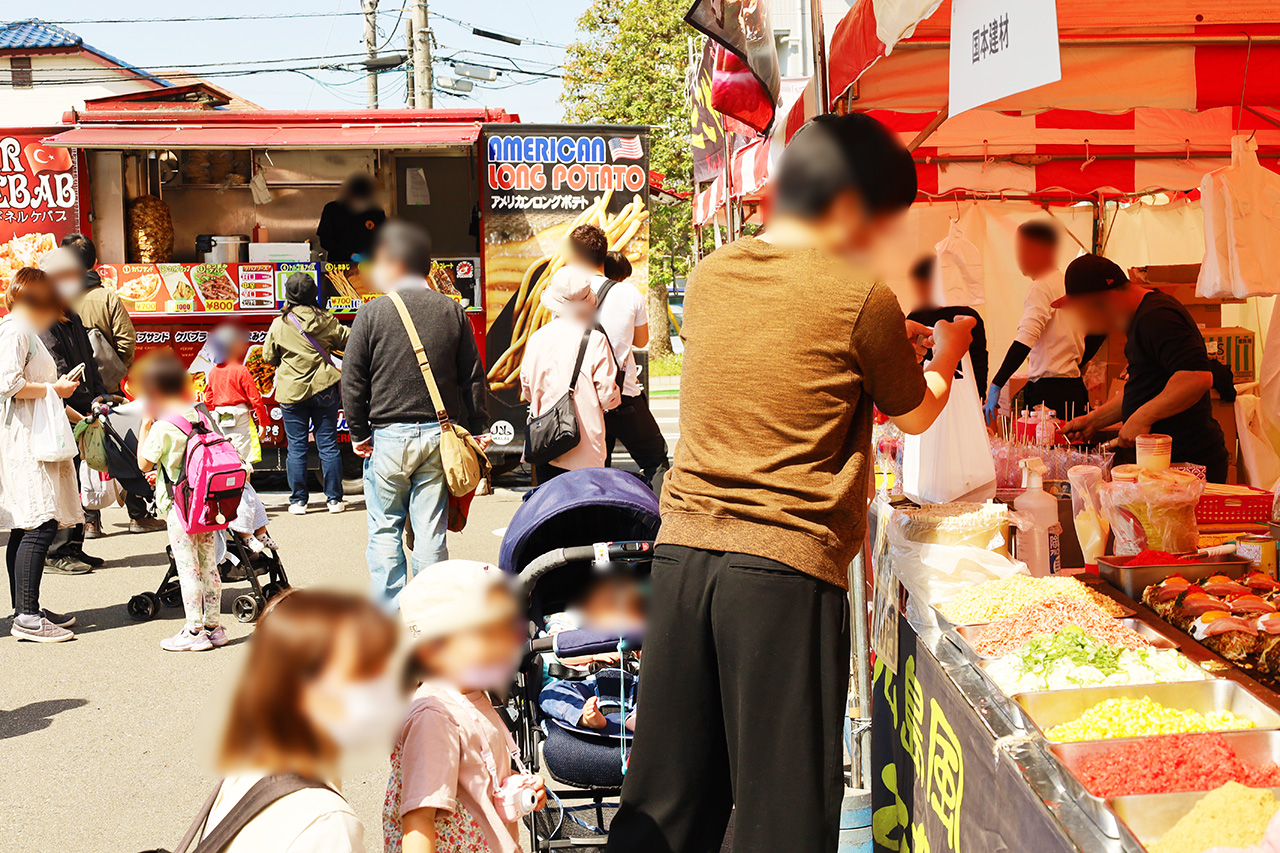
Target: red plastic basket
[(1235, 509)]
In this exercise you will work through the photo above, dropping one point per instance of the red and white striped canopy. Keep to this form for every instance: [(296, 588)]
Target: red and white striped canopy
[(1149, 98)]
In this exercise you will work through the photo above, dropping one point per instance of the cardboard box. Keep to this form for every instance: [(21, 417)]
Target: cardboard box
[(1234, 347)]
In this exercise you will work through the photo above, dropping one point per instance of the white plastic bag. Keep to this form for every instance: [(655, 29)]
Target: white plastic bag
[(1241, 205), (937, 573), (51, 436), (97, 490), (951, 461), (957, 276)]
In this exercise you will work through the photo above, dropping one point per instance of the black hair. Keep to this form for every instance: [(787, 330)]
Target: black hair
[(923, 268), (360, 186), (617, 267), (1040, 231), (590, 244), (834, 154), (83, 247), (406, 243)]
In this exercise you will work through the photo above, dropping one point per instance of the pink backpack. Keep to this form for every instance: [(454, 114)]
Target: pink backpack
[(208, 492)]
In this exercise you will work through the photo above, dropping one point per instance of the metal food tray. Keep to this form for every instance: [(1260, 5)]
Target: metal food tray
[(1150, 816), (1134, 581), (970, 634), (1257, 747), (1049, 708)]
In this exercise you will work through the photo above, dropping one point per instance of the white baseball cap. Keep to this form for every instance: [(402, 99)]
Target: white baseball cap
[(454, 595)]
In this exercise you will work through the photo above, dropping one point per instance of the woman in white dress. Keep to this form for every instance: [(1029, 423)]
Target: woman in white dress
[(36, 498)]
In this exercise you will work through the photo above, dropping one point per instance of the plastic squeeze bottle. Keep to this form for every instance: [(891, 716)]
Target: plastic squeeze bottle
[(1038, 547)]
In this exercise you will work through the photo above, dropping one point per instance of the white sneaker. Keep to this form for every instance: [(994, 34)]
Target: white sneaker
[(337, 506), (185, 641), (297, 509)]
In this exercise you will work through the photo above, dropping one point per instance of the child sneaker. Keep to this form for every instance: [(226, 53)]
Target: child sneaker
[(267, 541), (185, 641), (217, 637), (254, 544)]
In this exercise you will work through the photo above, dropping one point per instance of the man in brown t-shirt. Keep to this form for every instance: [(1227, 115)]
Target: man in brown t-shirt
[(789, 344)]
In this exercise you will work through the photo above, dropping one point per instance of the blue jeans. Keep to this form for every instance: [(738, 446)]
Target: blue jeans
[(318, 414), (404, 478)]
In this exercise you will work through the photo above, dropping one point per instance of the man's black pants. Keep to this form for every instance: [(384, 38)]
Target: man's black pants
[(633, 424), (1067, 396), (742, 703)]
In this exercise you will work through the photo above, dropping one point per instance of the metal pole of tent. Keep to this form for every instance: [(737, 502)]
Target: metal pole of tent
[(860, 771)]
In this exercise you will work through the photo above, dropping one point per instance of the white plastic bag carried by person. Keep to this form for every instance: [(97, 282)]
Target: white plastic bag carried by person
[(97, 490), (51, 436), (951, 461), (1241, 205)]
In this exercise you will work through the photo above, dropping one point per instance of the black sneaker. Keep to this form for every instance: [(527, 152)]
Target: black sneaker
[(90, 561), (66, 566)]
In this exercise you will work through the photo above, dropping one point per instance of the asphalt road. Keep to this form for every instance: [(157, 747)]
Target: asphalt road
[(107, 742)]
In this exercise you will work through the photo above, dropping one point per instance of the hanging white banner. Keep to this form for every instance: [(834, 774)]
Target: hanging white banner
[(1000, 47)]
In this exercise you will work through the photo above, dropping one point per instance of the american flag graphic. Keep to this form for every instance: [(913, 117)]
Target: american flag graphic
[(626, 148)]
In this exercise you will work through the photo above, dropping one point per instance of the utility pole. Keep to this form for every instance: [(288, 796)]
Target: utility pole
[(423, 80), (370, 8), (411, 89), (819, 36)]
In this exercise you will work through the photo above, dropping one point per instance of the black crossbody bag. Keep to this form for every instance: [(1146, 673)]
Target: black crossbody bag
[(555, 432)]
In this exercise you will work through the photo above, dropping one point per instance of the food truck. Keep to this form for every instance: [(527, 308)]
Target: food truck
[(200, 215)]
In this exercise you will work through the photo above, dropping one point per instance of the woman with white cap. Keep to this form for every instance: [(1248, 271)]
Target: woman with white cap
[(548, 369)]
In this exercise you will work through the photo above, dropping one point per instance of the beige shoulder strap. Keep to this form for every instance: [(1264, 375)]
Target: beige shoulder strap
[(441, 412)]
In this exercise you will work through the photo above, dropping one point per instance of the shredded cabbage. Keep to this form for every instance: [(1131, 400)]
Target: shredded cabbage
[(1073, 659)]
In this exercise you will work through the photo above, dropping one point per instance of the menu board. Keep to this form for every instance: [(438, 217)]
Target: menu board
[(172, 289), (346, 287)]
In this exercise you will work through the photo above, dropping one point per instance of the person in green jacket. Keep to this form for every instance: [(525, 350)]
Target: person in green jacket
[(300, 344)]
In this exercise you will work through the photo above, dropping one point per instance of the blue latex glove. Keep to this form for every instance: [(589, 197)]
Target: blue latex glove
[(992, 405)]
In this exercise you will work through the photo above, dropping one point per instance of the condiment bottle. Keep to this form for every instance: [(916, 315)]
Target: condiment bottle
[(1038, 546)]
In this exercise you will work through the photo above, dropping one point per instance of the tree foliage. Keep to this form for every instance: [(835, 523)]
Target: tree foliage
[(628, 66)]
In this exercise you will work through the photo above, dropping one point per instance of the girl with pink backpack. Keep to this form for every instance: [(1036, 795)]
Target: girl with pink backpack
[(199, 479)]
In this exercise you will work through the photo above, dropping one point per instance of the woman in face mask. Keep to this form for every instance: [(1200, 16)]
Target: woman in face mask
[(452, 786), (319, 685)]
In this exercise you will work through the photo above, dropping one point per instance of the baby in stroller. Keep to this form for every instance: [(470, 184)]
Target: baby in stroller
[(596, 694)]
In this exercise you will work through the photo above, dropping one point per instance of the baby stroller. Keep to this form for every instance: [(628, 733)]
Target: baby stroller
[(564, 530), (121, 426)]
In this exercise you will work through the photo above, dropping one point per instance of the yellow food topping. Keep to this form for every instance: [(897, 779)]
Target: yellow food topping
[(999, 599), (1142, 718)]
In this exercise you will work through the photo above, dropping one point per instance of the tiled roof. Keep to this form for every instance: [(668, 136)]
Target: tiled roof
[(34, 34)]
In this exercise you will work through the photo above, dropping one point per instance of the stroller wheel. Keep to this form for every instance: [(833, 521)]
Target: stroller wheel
[(247, 607), (144, 606), (171, 597), (271, 590)]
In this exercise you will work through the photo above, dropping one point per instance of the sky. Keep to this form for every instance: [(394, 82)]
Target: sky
[(198, 45)]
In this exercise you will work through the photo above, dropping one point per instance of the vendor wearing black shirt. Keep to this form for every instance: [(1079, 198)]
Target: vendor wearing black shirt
[(1170, 373), (928, 313), (347, 224)]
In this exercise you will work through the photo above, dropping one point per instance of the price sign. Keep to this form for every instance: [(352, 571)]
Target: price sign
[(180, 306), (220, 305), (144, 306)]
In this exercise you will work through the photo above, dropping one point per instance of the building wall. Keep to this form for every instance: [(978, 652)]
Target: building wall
[(61, 82), (794, 34)]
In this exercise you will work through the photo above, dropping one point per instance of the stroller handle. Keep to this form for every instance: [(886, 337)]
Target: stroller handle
[(632, 552)]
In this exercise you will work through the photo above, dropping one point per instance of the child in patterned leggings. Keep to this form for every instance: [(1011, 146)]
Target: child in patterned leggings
[(166, 391)]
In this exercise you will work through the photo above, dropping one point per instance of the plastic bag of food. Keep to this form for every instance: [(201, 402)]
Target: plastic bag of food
[(1156, 513), (940, 550), (949, 461), (1092, 528)]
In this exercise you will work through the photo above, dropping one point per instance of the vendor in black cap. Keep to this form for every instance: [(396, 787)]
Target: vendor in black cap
[(1170, 373)]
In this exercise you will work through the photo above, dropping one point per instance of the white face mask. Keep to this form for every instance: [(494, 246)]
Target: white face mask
[(70, 289), (370, 712), (494, 676)]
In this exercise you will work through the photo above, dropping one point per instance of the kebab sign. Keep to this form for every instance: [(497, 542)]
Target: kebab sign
[(39, 201)]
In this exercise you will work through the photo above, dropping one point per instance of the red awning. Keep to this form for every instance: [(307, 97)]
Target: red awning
[(271, 129)]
